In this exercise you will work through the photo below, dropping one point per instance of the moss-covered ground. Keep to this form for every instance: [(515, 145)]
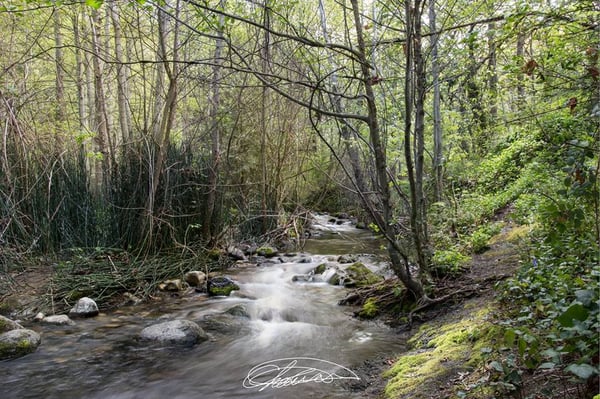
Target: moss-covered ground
[(446, 352)]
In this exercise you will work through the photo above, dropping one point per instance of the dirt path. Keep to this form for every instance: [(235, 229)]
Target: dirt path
[(448, 339)]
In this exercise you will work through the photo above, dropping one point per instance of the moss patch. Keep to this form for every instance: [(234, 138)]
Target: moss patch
[(267, 252), (361, 275), (369, 309), (321, 268), (440, 350)]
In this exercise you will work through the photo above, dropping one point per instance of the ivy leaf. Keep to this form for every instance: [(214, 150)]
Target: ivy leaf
[(585, 296), (94, 3), (575, 312), (497, 366), (583, 371)]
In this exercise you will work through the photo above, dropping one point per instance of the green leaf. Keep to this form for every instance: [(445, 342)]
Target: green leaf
[(585, 296), (497, 366), (94, 3), (583, 371), (547, 366), (575, 312)]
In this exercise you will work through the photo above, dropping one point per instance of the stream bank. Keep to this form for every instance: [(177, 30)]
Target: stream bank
[(270, 318)]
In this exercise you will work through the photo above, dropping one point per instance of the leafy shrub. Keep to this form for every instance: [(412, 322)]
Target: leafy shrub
[(556, 324), (449, 262)]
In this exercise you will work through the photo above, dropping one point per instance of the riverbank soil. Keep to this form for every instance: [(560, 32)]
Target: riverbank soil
[(456, 349), (23, 287)]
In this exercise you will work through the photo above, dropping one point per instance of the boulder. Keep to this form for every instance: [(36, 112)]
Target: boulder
[(266, 251), (302, 278), (85, 307), (346, 259), (7, 324), (175, 332), (221, 286), (223, 323), (195, 278), (18, 342), (58, 320), (359, 275), (320, 269), (171, 285), (235, 253), (238, 311)]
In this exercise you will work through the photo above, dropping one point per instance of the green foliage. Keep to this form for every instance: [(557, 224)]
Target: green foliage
[(479, 240), (369, 309), (449, 262), (556, 324)]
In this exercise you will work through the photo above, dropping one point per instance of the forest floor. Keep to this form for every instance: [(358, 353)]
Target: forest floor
[(446, 340), (452, 345)]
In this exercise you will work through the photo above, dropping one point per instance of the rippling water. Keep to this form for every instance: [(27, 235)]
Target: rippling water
[(102, 358)]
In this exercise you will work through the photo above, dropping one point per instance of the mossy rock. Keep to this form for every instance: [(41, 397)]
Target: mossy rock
[(361, 275), (221, 286), (7, 324), (320, 269), (335, 279), (267, 252), (18, 342)]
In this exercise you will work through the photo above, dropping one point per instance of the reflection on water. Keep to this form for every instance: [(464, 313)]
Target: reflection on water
[(102, 358)]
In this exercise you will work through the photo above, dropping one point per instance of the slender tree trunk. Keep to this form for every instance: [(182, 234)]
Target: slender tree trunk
[(103, 142), (520, 78), (163, 131), (415, 94), (493, 72), (266, 54), (122, 88), (61, 106), (398, 259), (346, 131), (215, 135), (437, 115)]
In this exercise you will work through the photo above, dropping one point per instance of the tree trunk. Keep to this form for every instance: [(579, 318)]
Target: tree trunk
[(61, 106), (103, 166), (493, 72), (437, 116), (520, 78), (215, 133), (167, 116), (347, 133), (414, 92), (123, 94), (398, 259), (266, 54)]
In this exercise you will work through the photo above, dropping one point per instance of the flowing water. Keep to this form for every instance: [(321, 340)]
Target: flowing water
[(101, 357)]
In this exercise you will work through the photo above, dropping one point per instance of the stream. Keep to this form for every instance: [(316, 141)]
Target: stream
[(102, 357)]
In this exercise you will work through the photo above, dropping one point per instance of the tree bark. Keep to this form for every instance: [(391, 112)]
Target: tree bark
[(414, 92), (102, 139), (215, 133), (61, 106), (437, 115), (123, 94), (167, 115), (399, 260)]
